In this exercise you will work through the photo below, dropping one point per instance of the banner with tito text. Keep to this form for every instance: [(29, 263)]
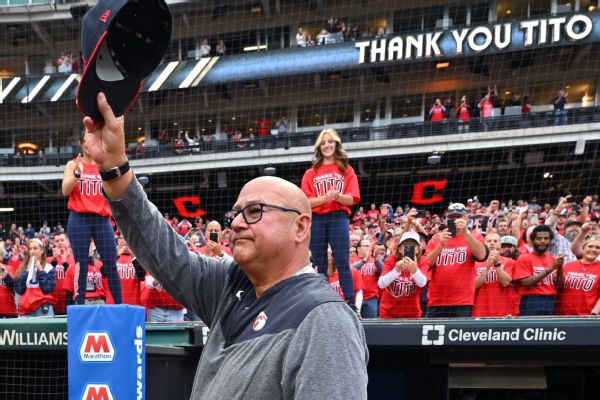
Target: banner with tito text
[(106, 352)]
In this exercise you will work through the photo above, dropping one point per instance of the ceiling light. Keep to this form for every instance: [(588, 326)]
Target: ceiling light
[(254, 48), (7, 209), (508, 12), (442, 65)]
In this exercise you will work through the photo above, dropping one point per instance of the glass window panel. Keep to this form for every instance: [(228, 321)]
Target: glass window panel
[(539, 8), (511, 9), (458, 15), (310, 115), (368, 112), (408, 21), (480, 13), (406, 106), (340, 113)]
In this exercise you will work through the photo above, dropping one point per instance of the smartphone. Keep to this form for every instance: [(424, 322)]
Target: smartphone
[(214, 237), (451, 227), (534, 219), (409, 251), (420, 213)]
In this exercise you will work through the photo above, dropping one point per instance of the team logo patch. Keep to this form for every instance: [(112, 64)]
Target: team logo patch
[(433, 335), (97, 392), (97, 347), (260, 321)]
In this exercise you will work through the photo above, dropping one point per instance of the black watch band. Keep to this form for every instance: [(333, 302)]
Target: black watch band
[(115, 172)]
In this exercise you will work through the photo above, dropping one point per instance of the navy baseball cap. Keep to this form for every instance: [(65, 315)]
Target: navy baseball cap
[(122, 42)]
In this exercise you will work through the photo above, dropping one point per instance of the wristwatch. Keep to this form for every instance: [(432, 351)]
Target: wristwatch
[(115, 172)]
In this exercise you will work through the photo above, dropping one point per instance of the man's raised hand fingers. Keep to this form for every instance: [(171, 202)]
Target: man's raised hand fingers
[(104, 107), (90, 125)]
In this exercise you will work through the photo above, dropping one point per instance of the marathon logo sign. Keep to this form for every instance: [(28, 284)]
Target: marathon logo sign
[(107, 352), (97, 347), (97, 392), (517, 35), (440, 335)]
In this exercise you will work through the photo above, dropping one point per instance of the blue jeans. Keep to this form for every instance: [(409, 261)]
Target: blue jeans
[(332, 229), (449, 311), (537, 305), (82, 228), (158, 314), (560, 117), (370, 308), (38, 312)]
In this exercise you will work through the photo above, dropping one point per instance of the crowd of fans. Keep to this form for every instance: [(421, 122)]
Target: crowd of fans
[(473, 260), (335, 30)]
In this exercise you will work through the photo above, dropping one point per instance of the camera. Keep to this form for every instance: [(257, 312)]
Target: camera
[(434, 159)]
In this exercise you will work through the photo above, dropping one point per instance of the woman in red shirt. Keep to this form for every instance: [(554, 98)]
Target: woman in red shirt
[(463, 115), (331, 187), (402, 280), (580, 293), (89, 219), (35, 282)]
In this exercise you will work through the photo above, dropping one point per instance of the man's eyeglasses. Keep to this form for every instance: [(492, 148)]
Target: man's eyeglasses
[(253, 213)]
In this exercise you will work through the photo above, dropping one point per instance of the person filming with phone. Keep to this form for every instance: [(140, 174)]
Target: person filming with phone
[(402, 279), (213, 247), (453, 254)]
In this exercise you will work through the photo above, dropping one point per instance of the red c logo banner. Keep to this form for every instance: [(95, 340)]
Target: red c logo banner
[(419, 189)]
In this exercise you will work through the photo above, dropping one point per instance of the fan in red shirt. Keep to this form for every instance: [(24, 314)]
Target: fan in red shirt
[(334, 281), (62, 259), (402, 280), (214, 248), (580, 293), (452, 280), (373, 212), (463, 115), (8, 308), (131, 274), (96, 285), (161, 307), (89, 219), (538, 274), (437, 111), (493, 284), (331, 186), (370, 269)]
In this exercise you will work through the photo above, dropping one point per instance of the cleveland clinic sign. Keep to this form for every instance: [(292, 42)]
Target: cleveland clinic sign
[(515, 35)]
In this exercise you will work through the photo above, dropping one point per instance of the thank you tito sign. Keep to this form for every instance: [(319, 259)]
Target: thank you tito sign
[(516, 35), (106, 352)]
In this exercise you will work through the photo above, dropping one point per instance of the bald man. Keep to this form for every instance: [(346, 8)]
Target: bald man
[(277, 330), (214, 248)]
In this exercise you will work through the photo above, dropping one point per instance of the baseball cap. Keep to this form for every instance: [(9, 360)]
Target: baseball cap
[(508, 240), (457, 209), (122, 42), (410, 236)]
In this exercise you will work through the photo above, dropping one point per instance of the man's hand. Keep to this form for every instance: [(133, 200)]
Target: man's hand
[(493, 258), (444, 236), (105, 142), (558, 262)]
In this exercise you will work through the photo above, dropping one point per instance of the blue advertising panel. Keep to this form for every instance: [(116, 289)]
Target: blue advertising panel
[(106, 352)]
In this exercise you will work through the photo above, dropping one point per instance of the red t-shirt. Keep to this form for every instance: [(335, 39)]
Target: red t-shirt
[(402, 298), (493, 300), (486, 108), (437, 113), (370, 276), (7, 296), (130, 283), (157, 297), (205, 250), (373, 214), (452, 281), (581, 290), (464, 113), (96, 284), (60, 301), (531, 264), (317, 182), (86, 196), (334, 282), (264, 126)]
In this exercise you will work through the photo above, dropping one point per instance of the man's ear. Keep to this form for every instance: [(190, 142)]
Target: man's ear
[(302, 227)]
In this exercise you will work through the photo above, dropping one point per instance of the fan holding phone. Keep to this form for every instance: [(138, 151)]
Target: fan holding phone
[(402, 279), (213, 247), (453, 253)]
